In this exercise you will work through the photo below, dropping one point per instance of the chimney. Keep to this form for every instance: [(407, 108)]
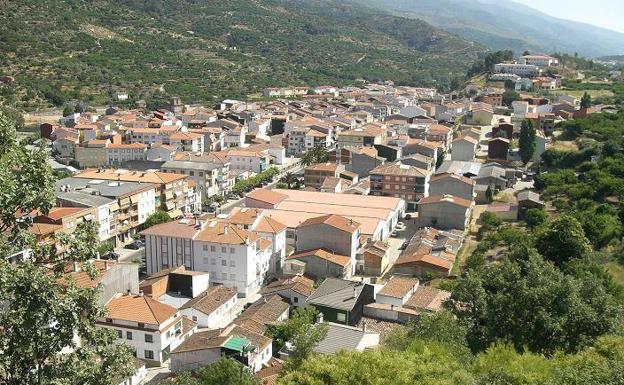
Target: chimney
[(364, 328), (140, 293), (319, 318), (128, 292), (354, 292), (106, 266)]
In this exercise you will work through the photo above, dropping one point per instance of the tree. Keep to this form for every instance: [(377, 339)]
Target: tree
[(41, 315), (562, 240), (304, 341), (527, 141), (535, 217), (318, 154), (157, 218), (529, 303), (510, 96), (226, 371), (586, 100), (301, 318), (289, 179)]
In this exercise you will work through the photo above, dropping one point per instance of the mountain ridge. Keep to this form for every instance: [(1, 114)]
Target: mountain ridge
[(509, 25)]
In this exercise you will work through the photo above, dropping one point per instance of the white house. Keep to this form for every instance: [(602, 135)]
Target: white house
[(464, 148), (213, 308), (152, 328)]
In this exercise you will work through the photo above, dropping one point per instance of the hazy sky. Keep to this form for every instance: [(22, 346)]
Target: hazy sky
[(603, 13)]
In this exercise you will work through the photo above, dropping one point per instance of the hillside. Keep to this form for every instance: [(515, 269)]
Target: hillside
[(505, 24), (61, 50)]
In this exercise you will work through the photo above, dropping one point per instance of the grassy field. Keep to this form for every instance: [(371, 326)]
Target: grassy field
[(617, 271), (579, 93)]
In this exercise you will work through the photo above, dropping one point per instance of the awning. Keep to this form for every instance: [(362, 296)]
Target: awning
[(124, 201), (169, 195), (238, 344), (114, 206), (88, 217)]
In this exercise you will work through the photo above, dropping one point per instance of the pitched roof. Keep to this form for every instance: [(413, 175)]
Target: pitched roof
[(265, 311), (266, 195), (324, 254), (225, 233), (446, 175), (337, 293), (341, 337), (298, 283), (433, 199), (427, 297), (269, 225), (398, 286), (337, 221), (139, 308), (211, 299)]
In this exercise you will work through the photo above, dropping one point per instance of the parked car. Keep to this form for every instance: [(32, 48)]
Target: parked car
[(135, 245), (408, 216), (110, 256), (394, 234)]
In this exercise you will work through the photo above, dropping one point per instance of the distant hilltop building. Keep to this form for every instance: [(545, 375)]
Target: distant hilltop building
[(285, 91), (539, 60)]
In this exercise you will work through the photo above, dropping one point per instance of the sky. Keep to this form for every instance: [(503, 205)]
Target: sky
[(603, 13)]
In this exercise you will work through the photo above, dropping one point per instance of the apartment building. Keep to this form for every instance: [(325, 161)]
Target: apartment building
[(234, 257), (540, 60), (174, 193), (218, 181), (315, 174), (118, 154), (401, 181), (529, 70), (186, 141), (120, 207), (366, 136), (152, 328), (204, 174), (248, 160)]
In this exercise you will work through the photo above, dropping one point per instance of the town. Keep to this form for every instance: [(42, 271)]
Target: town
[(217, 224)]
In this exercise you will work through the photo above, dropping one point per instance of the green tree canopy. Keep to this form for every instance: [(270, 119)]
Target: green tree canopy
[(562, 240), (527, 141), (529, 303), (157, 218), (586, 100), (42, 316)]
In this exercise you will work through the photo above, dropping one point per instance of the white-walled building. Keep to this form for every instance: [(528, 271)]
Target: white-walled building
[(152, 328), (233, 256), (540, 60), (212, 308), (517, 69)]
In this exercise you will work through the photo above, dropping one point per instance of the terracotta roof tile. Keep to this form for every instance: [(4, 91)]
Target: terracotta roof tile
[(139, 308)]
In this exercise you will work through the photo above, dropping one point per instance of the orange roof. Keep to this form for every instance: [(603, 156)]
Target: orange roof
[(398, 286), (44, 228), (139, 308), (269, 225), (447, 175), (322, 167), (445, 198), (180, 230), (265, 195), (337, 221), (81, 277), (127, 145), (219, 232), (131, 176), (57, 213), (185, 136), (425, 259), (327, 255)]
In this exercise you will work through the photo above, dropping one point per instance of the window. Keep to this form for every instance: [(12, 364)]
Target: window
[(341, 317), (296, 299), (232, 277), (205, 247), (223, 249), (129, 335), (149, 354), (213, 261), (223, 262), (119, 334), (149, 338), (194, 318), (213, 248), (232, 263), (231, 250)]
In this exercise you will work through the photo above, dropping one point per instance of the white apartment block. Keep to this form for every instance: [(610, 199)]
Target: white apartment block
[(234, 257), (118, 154), (540, 60), (517, 69), (151, 328)]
